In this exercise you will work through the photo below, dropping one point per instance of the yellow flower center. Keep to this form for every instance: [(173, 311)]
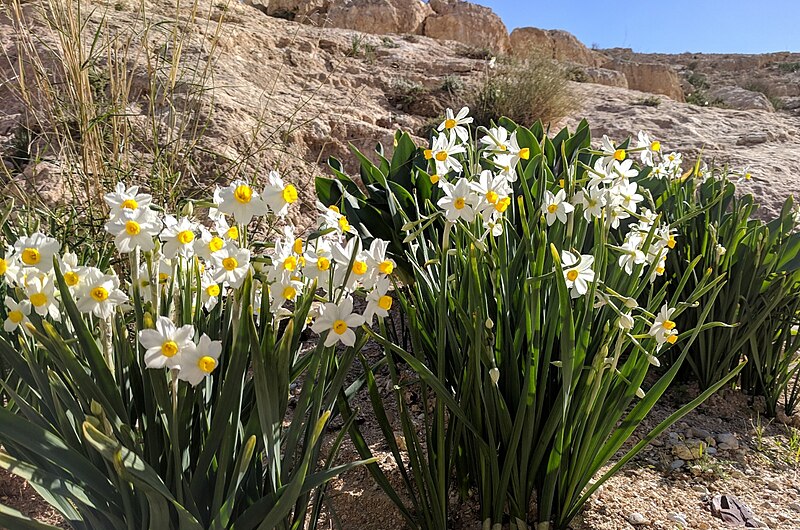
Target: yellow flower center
[(340, 326), (323, 263), (672, 339), (212, 290), (434, 178), (655, 146), (99, 294), (290, 263), (386, 267), (491, 196), (671, 242), (502, 147), (163, 277), (38, 299), (132, 228), (561, 183), (230, 263), (334, 208), (15, 316), (668, 325), (428, 154), (449, 124), (359, 267), (748, 176), (524, 153), (552, 208), (129, 204), (3, 266), (572, 275), (459, 203), (659, 270), (31, 256), (186, 237), (385, 302), (206, 364), (298, 246), (71, 278), (216, 244), (441, 156), (289, 293), (243, 193), (169, 348), (502, 204), (619, 155), (344, 224), (233, 232), (289, 194)]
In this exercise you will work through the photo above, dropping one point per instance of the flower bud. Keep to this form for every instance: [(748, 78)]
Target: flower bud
[(489, 323), (494, 375), (625, 321), (631, 303)]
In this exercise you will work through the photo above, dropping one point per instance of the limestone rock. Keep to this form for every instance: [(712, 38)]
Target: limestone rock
[(604, 76), (650, 77), (690, 449), (379, 16), (553, 43), (467, 23), (739, 98)]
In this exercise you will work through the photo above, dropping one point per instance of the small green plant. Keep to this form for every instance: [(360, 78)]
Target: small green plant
[(789, 67), (649, 101), (758, 430)]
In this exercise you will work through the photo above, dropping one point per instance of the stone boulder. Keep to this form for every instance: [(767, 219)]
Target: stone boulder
[(467, 23), (554, 44), (604, 76), (739, 98), (300, 10), (650, 77), (379, 16)]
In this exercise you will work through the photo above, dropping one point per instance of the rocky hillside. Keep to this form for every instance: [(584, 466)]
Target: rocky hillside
[(303, 78)]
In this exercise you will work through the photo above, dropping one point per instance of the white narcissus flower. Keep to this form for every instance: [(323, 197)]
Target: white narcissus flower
[(632, 255), (673, 161), (99, 293), (36, 250), (663, 329), (593, 199), (626, 321), (231, 265), (208, 244), (495, 141), (378, 301), (628, 197), (649, 148), (380, 266), (137, 228), (556, 207), (241, 201), (285, 290), (166, 344), (357, 271), (443, 151), (454, 123), (578, 272), (337, 321), (124, 199), (278, 195), (331, 217), (17, 314), (178, 237), (41, 292), (507, 166), (610, 154), (457, 202), (71, 271), (490, 189), (212, 291), (198, 362)]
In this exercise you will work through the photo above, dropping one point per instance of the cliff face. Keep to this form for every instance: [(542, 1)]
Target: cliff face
[(301, 90)]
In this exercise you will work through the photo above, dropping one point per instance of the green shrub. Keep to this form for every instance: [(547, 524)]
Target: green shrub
[(524, 90)]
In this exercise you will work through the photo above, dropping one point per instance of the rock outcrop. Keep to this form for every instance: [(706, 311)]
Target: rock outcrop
[(379, 16), (604, 76), (650, 77), (735, 97), (554, 44), (468, 24)]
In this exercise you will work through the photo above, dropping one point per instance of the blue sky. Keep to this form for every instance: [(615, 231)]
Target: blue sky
[(668, 26)]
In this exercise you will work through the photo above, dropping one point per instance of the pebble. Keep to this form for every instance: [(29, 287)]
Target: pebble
[(703, 526), (637, 519), (699, 488), (691, 449), (696, 470), (774, 486), (727, 441), (795, 506), (711, 450), (678, 518), (677, 464), (696, 432)]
